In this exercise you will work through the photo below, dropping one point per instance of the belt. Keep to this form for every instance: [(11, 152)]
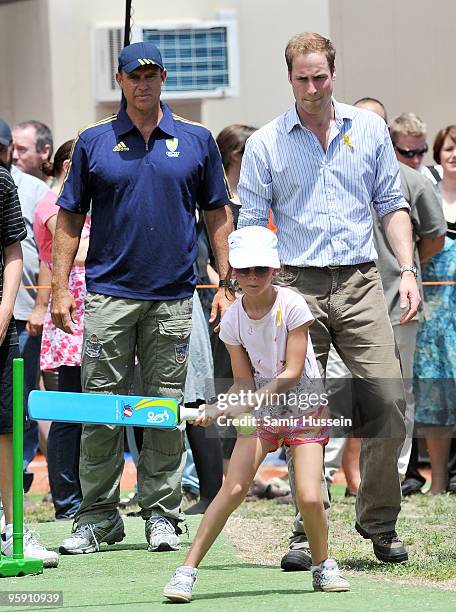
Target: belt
[(338, 267)]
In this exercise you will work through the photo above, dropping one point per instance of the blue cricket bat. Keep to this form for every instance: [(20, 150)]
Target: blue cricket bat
[(105, 409)]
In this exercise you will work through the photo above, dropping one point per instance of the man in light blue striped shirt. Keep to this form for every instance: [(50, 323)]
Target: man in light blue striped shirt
[(319, 166)]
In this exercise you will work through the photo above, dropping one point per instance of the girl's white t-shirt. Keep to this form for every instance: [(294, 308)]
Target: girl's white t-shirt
[(265, 339)]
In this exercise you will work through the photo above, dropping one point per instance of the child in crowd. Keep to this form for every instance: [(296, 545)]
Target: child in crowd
[(12, 231), (266, 334)]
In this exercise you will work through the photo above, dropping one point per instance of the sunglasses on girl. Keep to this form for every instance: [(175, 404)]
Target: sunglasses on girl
[(409, 153), (256, 270)]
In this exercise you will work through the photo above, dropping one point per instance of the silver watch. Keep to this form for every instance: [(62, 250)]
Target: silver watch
[(409, 269)]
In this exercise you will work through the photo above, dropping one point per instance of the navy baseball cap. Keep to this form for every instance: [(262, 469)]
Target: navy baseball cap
[(6, 138), (139, 54)]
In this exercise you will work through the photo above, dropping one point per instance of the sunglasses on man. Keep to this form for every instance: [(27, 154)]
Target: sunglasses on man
[(257, 271), (409, 153)]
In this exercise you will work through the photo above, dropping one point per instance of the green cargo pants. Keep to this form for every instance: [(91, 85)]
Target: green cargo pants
[(115, 330)]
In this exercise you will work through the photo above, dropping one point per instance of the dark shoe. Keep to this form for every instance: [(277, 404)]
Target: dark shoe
[(256, 491), (298, 557), (388, 547), (285, 499), (129, 500), (411, 486), (451, 488), (27, 480), (349, 493), (198, 508)]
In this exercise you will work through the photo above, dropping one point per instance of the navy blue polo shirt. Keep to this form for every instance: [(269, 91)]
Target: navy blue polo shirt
[(143, 197)]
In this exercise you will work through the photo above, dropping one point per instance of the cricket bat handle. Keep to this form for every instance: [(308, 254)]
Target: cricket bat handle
[(188, 414)]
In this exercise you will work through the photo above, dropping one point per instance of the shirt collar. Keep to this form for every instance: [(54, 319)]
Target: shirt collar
[(124, 124), (341, 112)]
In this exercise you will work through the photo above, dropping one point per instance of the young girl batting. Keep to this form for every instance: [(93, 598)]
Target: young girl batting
[(266, 334)]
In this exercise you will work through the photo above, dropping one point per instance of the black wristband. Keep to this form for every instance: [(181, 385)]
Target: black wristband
[(224, 283)]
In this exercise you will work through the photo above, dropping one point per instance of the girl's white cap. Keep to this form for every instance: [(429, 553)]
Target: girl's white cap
[(253, 246)]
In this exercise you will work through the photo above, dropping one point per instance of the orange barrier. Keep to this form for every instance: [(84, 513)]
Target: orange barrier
[(48, 287), (425, 283), (430, 283)]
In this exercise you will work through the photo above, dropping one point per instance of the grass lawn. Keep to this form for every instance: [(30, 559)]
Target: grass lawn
[(241, 572), (426, 523)]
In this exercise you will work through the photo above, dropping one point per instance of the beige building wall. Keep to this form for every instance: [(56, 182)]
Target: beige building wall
[(263, 33), (26, 87), (60, 57), (265, 26), (401, 52)]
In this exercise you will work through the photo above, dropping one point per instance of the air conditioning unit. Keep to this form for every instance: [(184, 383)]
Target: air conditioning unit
[(201, 57)]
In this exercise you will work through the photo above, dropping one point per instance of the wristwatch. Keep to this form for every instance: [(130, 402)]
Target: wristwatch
[(224, 283), (409, 269)]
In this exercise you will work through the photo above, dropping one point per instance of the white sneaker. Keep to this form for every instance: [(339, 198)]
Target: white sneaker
[(161, 534), (32, 547), (326, 577), (180, 587)]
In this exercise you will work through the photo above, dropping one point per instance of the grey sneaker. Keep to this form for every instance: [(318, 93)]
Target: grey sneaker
[(161, 534), (180, 587), (87, 538), (298, 557), (326, 577)]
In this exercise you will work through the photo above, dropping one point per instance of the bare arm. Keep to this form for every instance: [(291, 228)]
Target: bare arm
[(81, 255), (12, 273), (242, 381), (219, 225), (36, 318), (428, 247), (398, 230), (65, 246)]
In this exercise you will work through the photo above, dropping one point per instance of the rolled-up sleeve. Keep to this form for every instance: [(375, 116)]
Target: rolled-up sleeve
[(387, 195), (75, 194), (255, 185)]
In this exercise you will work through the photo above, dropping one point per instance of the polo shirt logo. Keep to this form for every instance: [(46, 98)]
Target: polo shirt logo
[(121, 147), (171, 145)]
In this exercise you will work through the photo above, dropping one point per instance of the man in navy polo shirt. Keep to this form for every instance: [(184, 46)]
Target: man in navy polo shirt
[(143, 171)]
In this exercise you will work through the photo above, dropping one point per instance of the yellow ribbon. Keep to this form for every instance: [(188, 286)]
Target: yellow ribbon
[(347, 141)]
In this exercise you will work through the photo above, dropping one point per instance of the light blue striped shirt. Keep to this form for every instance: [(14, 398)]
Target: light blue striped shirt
[(321, 200)]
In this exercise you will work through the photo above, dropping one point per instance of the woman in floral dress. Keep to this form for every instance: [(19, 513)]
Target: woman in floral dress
[(435, 357), (61, 351)]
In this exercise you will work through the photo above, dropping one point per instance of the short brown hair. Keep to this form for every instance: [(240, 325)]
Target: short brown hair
[(450, 131), (310, 42), (408, 124)]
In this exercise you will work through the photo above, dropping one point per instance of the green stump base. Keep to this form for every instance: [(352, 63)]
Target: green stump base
[(19, 567)]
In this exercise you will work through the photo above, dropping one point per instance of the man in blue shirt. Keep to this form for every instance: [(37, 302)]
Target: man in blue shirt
[(319, 166), (142, 172)]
